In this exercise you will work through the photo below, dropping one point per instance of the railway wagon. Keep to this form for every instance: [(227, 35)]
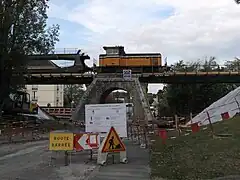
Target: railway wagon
[(115, 60)]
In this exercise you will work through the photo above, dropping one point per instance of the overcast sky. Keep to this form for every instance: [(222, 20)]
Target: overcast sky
[(179, 29)]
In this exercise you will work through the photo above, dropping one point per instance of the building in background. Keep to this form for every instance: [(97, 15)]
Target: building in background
[(46, 95)]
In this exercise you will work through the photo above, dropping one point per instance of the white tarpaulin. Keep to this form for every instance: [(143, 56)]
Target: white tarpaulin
[(228, 104), (43, 115)]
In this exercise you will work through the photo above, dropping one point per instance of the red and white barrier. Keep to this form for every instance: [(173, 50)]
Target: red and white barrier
[(86, 141)]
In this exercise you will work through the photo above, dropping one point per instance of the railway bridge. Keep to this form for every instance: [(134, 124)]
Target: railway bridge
[(41, 70)]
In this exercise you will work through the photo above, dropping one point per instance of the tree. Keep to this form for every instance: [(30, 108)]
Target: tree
[(23, 31), (150, 98), (163, 106), (182, 99), (73, 94), (233, 65)]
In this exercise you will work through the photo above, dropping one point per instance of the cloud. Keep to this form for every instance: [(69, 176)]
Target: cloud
[(183, 29), (190, 30)]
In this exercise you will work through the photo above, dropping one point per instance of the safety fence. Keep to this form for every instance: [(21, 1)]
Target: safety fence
[(173, 133), (65, 51), (219, 112), (24, 130), (59, 112), (139, 132), (206, 122), (172, 121)]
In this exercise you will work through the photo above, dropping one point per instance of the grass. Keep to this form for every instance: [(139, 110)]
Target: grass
[(199, 155)]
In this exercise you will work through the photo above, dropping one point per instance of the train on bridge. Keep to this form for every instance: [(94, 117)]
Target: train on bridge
[(113, 61), (149, 67), (116, 59)]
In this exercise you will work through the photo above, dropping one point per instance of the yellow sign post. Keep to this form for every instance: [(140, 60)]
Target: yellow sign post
[(60, 141)]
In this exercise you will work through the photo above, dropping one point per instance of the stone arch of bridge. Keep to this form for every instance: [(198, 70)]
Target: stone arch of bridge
[(101, 87), (130, 88), (107, 92), (109, 87)]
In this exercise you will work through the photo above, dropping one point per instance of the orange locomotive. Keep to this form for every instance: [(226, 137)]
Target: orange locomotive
[(116, 60)]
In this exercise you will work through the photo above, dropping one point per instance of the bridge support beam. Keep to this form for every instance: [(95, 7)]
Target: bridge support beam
[(100, 87)]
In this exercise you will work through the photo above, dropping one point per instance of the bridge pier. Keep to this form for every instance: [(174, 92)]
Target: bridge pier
[(100, 87), (145, 87)]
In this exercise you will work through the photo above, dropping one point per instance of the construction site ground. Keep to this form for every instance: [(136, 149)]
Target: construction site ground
[(23, 160), (26, 131), (200, 155), (136, 169), (33, 160)]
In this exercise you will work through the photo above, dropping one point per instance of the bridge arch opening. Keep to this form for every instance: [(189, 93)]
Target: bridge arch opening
[(119, 95), (115, 95), (102, 87)]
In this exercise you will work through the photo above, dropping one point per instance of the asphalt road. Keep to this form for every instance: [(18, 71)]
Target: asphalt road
[(136, 169), (33, 161)]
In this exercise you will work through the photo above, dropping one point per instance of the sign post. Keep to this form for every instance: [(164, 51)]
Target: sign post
[(61, 141), (112, 143)]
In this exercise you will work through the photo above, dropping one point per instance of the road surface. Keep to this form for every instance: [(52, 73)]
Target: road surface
[(27, 161), (33, 161), (136, 169)]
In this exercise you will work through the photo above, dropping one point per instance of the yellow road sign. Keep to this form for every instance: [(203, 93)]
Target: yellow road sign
[(61, 141), (113, 142)]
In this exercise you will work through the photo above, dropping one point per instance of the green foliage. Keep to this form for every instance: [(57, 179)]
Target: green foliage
[(163, 106), (23, 31), (72, 94), (182, 99), (29, 32), (150, 98)]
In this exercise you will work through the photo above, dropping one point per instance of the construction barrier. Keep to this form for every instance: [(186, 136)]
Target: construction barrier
[(59, 112), (71, 143), (21, 130)]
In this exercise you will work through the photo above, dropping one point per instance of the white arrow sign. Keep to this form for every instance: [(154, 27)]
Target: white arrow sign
[(83, 142)]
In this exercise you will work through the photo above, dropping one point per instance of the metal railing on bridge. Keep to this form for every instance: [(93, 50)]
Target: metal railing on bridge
[(229, 73), (67, 51)]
